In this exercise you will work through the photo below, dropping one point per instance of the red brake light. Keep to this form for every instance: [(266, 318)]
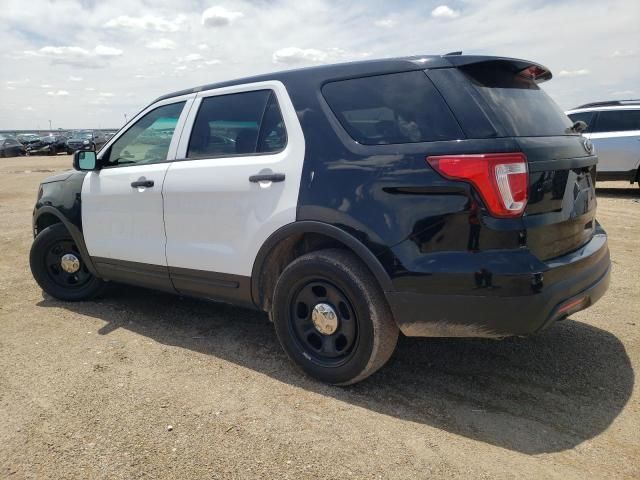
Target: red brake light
[(501, 179), (535, 73)]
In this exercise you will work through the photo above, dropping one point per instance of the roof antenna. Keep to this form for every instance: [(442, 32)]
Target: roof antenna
[(453, 53)]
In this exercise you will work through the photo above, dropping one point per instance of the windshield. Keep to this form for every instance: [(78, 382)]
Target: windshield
[(516, 103)]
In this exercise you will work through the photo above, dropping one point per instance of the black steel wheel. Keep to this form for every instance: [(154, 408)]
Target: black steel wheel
[(58, 267), (323, 321), (332, 318), (64, 265)]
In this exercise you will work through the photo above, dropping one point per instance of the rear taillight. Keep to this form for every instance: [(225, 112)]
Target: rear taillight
[(501, 179)]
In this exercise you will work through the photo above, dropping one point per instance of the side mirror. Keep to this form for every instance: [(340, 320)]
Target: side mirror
[(85, 160)]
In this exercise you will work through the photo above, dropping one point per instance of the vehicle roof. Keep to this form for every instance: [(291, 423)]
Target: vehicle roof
[(323, 73), (602, 109)]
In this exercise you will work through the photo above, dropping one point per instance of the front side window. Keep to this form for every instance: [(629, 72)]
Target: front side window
[(147, 140), (394, 108), (237, 124), (618, 121)]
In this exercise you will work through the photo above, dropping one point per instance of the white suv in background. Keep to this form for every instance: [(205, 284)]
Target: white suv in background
[(614, 129)]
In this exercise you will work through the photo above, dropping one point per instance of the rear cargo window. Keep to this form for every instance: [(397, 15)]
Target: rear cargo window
[(394, 108), (516, 103)]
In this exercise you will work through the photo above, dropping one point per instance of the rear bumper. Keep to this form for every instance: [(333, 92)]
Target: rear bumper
[(498, 305)]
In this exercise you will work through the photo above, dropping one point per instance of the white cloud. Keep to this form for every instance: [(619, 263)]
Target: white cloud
[(161, 44), (619, 93), (102, 51), (573, 73), (443, 11), (219, 17), (623, 53), (73, 52), (46, 85), (293, 55), (385, 23), (28, 108), (90, 89), (147, 22), (106, 94), (59, 93), (203, 46), (75, 79), (192, 57), (215, 61), (140, 76), (18, 82)]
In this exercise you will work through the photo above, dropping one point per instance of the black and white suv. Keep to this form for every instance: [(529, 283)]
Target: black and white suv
[(614, 129), (436, 196)]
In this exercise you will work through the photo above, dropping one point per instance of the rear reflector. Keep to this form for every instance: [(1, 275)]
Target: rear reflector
[(501, 179)]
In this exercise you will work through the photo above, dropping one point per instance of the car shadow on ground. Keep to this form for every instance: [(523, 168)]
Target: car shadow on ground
[(542, 394), (629, 192)]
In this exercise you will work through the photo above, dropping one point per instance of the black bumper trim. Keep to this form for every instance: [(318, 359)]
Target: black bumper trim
[(442, 315)]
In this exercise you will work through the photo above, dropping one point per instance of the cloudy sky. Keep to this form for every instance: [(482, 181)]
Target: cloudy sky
[(87, 63)]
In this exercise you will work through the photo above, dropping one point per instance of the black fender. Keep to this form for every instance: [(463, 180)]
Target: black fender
[(310, 226), (73, 230)]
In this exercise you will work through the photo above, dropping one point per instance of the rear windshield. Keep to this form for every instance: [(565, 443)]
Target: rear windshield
[(394, 108), (515, 103)]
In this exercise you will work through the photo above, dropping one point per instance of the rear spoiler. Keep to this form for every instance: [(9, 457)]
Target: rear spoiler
[(536, 72)]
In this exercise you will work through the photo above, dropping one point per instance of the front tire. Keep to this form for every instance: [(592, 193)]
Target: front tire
[(53, 264), (332, 318)]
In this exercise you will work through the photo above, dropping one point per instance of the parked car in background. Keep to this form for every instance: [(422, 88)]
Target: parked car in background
[(48, 145), (85, 140), (28, 139), (614, 129), (439, 196), (10, 147)]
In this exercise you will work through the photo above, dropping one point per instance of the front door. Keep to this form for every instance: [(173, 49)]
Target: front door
[(235, 181), (122, 217)]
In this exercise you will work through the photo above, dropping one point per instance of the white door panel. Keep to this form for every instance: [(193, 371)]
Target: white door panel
[(215, 218), (122, 222), (617, 151)]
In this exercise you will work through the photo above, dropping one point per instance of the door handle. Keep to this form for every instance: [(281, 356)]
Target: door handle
[(269, 177), (142, 183)]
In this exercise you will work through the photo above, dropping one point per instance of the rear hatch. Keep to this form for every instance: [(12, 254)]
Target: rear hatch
[(501, 98)]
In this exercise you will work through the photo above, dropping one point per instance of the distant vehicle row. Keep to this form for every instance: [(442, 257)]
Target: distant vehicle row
[(52, 143)]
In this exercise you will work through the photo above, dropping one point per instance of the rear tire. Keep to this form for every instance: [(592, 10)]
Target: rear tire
[(350, 345), (47, 252)]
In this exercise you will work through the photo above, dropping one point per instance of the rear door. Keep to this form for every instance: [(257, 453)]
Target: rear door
[(616, 136), (502, 99), (235, 181)]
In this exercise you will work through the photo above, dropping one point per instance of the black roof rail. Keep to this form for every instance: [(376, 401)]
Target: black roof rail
[(610, 103), (457, 52)]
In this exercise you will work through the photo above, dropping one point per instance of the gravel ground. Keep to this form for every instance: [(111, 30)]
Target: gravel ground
[(148, 385)]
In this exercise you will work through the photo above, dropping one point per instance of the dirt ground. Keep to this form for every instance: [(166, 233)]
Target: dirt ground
[(148, 385)]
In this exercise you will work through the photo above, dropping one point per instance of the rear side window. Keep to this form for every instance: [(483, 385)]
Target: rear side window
[(516, 103), (617, 121), (238, 124), (586, 117), (394, 108)]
